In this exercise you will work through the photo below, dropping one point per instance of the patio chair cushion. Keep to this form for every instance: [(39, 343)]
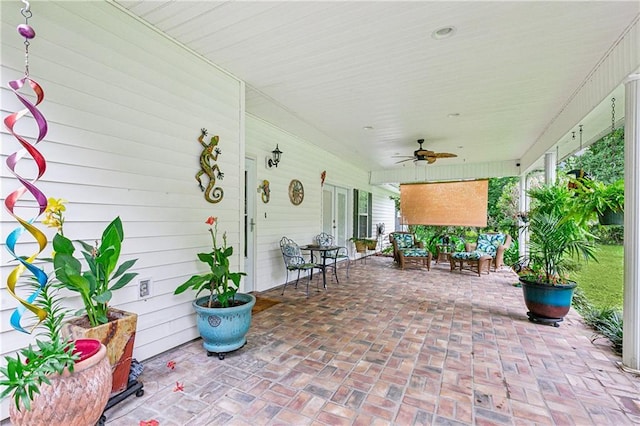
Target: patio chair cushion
[(324, 240), (489, 243), (404, 240), (406, 247), (293, 258), (415, 252), (468, 255)]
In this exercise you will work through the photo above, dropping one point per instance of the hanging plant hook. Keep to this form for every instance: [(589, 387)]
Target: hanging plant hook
[(580, 137)]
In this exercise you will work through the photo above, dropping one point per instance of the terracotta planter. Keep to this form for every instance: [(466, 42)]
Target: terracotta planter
[(547, 303), (118, 336), (72, 399)]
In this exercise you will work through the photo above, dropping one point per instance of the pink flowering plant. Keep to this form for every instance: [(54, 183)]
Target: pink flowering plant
[(220, 282)]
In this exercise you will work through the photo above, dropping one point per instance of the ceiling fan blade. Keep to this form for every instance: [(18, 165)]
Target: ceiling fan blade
[(402, 161), (422, 154)]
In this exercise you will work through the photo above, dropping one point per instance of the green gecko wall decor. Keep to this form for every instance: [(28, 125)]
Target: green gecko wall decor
[(208, 166)]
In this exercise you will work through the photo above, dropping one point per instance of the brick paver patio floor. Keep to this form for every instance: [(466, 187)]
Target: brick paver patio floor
[(388, 346)]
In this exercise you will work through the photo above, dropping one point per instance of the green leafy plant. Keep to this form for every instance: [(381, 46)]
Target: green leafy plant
[(595, 197), (360, 243), (33, 365), (363, 240), (512, 254), (95, 285), (606, 321), (221, 283), (553, 237), (603, 160), (370, 243), (556, 199)]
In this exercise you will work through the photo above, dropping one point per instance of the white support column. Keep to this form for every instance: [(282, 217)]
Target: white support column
[(631, 315), (550, 160), (522, 208)]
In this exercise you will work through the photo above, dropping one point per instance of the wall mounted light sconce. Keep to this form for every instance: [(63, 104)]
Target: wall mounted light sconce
[(276, 154)]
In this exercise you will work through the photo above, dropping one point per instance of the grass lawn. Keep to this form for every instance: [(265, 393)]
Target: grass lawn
[(602, 281)]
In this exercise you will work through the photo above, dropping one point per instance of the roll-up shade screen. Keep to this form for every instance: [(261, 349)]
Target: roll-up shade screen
[(445, 203)]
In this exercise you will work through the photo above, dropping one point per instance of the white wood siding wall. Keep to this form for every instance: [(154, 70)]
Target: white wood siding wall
[(125, 107), (383, 212), (303, 161)]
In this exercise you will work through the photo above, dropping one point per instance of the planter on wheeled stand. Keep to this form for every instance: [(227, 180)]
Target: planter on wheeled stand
[(118, 336), (224, 329), (547, 304)]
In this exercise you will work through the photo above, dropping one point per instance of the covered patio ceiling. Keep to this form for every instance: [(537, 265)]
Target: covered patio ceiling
[(365, 80)]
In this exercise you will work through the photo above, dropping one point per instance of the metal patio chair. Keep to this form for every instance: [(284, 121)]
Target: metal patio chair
[(294, 261), (326, 240)]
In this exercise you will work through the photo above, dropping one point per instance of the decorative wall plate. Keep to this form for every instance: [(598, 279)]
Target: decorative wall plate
[(296, 192)]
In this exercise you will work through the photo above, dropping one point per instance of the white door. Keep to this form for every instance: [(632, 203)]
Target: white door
[(334, 213), (249, 224)]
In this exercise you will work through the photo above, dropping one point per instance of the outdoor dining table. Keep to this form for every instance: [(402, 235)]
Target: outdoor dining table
[(323, 250)]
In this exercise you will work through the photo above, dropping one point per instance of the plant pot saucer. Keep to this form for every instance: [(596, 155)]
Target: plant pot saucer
[(544, 320)]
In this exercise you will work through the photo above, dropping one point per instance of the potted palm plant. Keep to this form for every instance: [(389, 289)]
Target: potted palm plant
[(57, 381), (223, 314), (113, 327), (554, 241)]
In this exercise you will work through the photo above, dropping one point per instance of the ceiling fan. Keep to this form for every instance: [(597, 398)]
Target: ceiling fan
[(424, 156)]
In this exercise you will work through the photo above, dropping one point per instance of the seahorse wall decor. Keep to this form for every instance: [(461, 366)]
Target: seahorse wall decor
[(209, 167), (266, 192)]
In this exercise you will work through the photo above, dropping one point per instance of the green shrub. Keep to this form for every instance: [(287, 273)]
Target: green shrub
[(609, 235), (607, 322), (512, 254), (431, 235)]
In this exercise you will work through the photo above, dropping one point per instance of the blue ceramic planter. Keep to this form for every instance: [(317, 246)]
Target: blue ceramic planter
[(547, 303), (224, 329)]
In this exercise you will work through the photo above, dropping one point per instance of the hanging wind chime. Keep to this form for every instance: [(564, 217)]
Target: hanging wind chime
[(13, 200)]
